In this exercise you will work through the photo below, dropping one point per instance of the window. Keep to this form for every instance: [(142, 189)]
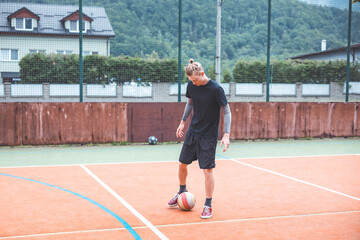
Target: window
[(36, 51), (64, 52), (9, 54), (24, 24), (28, 23), (19, 23), (74, 26), (14, 54)]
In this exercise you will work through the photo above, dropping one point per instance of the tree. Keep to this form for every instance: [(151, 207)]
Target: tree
[(211, 72), (227, 76)]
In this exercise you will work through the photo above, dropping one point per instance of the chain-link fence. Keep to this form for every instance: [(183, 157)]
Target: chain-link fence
[(131, 50)]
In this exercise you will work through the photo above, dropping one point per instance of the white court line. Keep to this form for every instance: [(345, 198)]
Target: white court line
[(295, 179), (171, 161), (126, 204), (188, 224), (91, 164), (304, 156), (260, 218), (207, 222)]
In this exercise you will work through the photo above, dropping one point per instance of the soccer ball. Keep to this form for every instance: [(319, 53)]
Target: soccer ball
[(152, 140)]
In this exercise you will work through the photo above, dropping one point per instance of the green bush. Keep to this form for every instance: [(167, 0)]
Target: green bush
[(96, 69), (56, 68), (292, 71), (35, 68), (53, 68), (227, 76), (250, 72)]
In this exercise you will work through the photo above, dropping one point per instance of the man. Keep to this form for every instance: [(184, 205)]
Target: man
[(205, 97)]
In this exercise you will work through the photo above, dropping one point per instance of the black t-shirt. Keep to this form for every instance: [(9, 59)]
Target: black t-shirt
[(207, 101)]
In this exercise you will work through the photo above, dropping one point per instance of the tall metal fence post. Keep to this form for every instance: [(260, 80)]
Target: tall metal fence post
[(268, 53), (81, 50), (348, 53), (179, 52), (218, 43)]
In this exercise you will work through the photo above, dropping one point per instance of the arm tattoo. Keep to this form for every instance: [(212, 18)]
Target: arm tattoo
[(188, 109), (227, 118)]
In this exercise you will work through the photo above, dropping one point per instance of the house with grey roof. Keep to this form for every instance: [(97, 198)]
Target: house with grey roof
[(332, 54), (31, 28)]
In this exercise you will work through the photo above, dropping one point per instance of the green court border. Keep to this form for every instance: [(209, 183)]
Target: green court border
[(164, 152)]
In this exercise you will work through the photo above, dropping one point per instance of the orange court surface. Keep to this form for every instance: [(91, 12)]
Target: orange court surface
[(300, 189)]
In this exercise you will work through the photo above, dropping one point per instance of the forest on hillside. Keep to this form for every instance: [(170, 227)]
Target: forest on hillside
[(149, 28)]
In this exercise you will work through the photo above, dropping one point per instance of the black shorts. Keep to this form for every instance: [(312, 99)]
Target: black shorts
[(199, 148)]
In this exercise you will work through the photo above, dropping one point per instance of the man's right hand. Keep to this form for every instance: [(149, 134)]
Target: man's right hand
[(180, 129)]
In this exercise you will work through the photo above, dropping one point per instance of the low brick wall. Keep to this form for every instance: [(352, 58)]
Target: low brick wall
[(66, 123)]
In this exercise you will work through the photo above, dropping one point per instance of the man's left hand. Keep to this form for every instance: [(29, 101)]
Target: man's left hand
[(226, 141)]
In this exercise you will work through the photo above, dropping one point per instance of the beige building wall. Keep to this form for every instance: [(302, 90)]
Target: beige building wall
[(51, 45)]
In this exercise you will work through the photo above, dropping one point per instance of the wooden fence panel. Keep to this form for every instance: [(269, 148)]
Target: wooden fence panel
[(66, 123), (155, 119), (63, 123), (343, 119), (10, 124)]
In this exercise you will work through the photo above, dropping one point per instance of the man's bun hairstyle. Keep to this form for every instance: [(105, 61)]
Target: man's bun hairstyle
[(193, 67)]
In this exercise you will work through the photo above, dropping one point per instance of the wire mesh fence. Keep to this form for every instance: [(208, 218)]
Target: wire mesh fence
[(131, 51)]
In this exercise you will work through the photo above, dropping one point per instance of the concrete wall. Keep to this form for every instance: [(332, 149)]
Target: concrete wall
[(161, 93), (64, 123)]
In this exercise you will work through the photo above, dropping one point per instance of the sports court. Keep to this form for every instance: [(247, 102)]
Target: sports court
[(83, 84), (286, 189)]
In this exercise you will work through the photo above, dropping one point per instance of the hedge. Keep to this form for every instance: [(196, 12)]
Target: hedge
[(290, 71), (56, 68)]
